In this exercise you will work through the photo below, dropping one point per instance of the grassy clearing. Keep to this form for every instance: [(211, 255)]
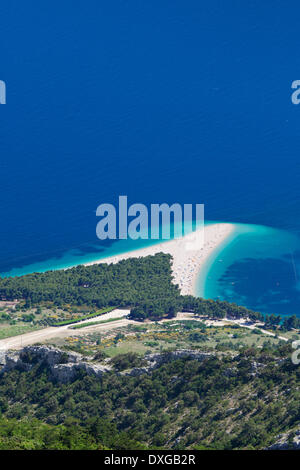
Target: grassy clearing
[(126, 347), (7, 331), (91, 315), (172, 335)]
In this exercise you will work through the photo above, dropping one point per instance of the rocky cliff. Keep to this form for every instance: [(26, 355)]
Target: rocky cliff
[(64, 366), (287, 441)]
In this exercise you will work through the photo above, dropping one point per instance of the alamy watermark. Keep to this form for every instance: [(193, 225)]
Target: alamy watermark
[(296, 354), (295, 96), (2, 92), (136, 222)]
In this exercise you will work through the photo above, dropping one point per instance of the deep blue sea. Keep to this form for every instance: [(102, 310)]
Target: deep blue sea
[(170, 101)]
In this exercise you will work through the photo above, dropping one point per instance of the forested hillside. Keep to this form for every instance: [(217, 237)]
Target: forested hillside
[(223, 402), (144, 284), (33, 434), (128, 283)]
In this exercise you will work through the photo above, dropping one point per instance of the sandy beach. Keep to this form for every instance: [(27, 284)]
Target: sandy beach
[(187, 260)]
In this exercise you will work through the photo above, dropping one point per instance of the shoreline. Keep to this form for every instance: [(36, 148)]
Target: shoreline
[(187, 263), (205, 272), (188, 267)]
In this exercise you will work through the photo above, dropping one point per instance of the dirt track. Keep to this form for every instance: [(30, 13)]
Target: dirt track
[(18, 342)]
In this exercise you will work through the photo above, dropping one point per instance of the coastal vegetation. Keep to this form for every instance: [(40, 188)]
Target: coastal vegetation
[(240, 397), (163, 337), (145, 285), (129, 282)]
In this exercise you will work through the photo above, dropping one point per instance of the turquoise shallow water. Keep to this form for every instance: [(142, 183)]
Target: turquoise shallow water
[(76, 256), (90, 253), (257, 267), (160, 101)]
